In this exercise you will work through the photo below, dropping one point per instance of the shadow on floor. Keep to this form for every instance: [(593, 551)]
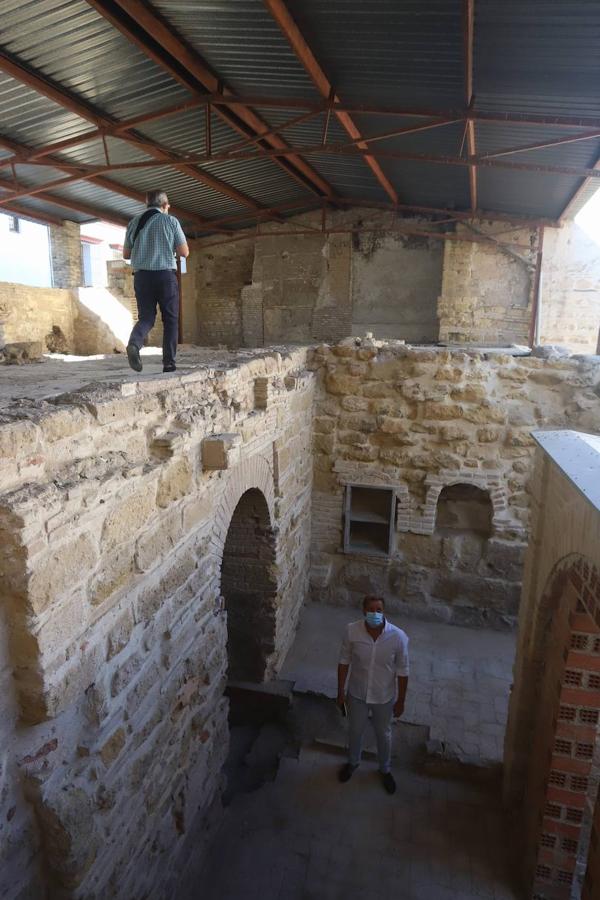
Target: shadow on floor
[(292, 832)]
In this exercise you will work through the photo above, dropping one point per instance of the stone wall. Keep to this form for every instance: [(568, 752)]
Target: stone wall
[(220, 275), (487, 290), (114, 512), (311, 287), (570, 289), (417, 420), (30, 314)]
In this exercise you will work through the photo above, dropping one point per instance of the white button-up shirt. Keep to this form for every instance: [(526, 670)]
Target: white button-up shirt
[(374, 665)]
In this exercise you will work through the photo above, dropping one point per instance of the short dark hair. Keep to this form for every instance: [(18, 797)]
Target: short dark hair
[(372, 599), (156, 198)]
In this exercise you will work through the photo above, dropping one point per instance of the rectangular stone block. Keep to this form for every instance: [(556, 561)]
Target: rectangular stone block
[(221, 451)]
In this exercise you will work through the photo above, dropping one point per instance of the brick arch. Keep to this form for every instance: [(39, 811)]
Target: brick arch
[(487, 481), (254, 472), (565, 748)]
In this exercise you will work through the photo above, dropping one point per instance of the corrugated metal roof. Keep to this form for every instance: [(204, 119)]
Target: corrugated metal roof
[(182, 190), (538, 57), (390, 52), (523, 193), (71, 43), (241, 42), (30, 118)]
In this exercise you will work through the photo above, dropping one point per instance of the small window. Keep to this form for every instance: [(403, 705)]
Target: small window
[(369, 520), (14, 224)]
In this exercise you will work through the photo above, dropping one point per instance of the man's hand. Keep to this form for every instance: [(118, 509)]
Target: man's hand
[(341, 699), (398, 708)]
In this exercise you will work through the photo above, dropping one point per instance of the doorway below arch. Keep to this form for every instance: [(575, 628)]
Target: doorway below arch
[(249, 586)]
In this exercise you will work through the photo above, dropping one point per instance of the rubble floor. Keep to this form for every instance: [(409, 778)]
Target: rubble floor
[(58, 374), (459, 683)]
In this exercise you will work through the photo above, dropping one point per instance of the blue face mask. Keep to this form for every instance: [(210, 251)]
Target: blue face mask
[(374, 619)]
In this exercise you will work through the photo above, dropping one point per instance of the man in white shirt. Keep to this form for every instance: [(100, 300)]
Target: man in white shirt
[(376, 653)]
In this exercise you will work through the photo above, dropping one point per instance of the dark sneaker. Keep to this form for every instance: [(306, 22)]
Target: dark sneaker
[(346, 772), (133, 357), (388, 782), (170, 368)]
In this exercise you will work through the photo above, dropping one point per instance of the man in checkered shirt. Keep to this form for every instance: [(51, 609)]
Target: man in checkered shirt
[(151, 242)]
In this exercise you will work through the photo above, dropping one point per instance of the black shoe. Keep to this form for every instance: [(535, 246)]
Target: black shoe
[(133, 357), (170, 368), (346, 772), (388, 782)]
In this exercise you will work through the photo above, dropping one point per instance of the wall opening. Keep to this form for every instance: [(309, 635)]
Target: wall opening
[(249, 587), (464, 509)]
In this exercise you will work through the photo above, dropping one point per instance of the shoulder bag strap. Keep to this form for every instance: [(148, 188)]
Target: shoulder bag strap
[(145, 217)]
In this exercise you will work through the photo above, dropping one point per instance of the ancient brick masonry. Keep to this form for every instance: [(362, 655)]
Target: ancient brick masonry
[(113, 522), (419, 420)]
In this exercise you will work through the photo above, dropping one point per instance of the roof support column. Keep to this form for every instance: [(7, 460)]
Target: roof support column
[(65, 255)]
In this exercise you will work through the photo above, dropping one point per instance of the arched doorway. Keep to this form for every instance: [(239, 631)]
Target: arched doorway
[(249, 587)]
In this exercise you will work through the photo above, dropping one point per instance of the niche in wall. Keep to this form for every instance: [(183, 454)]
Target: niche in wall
[(464, 509), (369, 520)]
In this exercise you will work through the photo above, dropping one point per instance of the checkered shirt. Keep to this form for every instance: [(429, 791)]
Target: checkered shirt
[(154, 248)]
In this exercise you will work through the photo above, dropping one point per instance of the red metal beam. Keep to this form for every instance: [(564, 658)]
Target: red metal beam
[(348, 150), (313, 108), (40, 83), (469, 21), (23, 213), (299, 45), (83, 208), (459, 215), (543, 145), (156, 37), (106, 183), (435, 235)]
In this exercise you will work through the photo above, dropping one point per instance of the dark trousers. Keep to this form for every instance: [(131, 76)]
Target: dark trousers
[(151, 288)]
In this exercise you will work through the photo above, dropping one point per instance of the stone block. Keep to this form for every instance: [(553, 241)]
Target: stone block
[(20, 352), (128, 518), (125, 674), (156, 544), (175, 482), (339, 383), (488, 435), (17, 438), (71, 840), (454, 433), (442, 411), (119, 634), (60, 571), (116, 572), (421, 550), (485, 413), (221, 451), (504, 559), (111, 748)]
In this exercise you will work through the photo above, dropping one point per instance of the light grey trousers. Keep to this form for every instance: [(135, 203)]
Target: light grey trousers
[(381, 717)]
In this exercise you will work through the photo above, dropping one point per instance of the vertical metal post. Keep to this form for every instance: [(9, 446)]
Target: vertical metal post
[(180, 319), (537, 281)]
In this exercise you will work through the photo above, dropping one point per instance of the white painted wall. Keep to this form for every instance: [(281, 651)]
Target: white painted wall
[(25, 255)]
